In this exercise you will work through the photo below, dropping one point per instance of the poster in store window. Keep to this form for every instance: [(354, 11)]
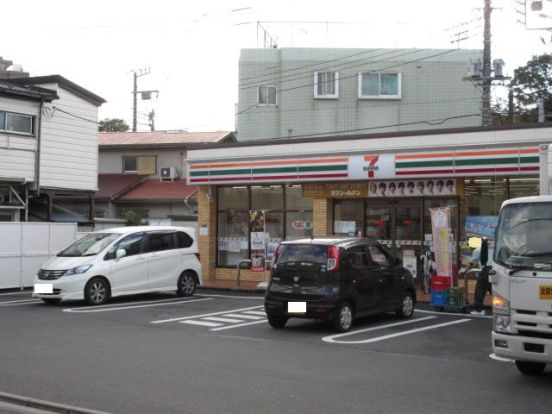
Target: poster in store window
[(257, 229), (441, 233)]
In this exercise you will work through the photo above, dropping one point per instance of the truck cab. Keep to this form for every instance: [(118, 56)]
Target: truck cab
[(522, 283)]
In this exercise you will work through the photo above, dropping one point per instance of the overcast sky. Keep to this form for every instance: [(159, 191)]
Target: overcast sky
[(193, 47)]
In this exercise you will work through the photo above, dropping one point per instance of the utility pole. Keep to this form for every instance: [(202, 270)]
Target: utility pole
[(486, 73), (146, 95)]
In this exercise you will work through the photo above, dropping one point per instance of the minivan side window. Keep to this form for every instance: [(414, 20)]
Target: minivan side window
[(378, 255), (160, 241), (183, 240), (133, 244)]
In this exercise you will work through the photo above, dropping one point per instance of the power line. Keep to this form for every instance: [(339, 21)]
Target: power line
[(75, 116), (432, 122)]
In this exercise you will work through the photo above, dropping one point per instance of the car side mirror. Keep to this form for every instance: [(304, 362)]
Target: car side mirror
[(120, 253)]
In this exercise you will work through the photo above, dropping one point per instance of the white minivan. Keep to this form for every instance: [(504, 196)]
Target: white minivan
[(122, 261)]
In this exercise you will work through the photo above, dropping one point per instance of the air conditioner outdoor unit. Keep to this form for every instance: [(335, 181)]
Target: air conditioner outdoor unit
[(169, 173)]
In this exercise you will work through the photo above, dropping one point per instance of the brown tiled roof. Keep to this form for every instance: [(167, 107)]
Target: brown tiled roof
[(161, 138), (112, 185), (156, 190)]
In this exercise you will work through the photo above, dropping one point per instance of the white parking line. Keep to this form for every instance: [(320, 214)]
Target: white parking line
[(253, 312), (241, 315), (453, 314), (19, 301), (205, 314), (394, 335), (16, 293), (261, 298), (331, 338), (202, 323), (237, 326), (92, 309), (218, 319)]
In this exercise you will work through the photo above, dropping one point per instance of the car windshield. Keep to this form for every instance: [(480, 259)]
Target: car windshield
[(523, 236), (303, 253), (89, 245)]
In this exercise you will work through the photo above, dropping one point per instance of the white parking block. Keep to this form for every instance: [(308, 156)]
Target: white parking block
[(241, 315), (202, 323)]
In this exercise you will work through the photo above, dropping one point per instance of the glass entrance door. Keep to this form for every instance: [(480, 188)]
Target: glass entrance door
[(408, 234)]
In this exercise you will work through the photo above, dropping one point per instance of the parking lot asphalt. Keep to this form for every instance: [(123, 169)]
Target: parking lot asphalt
[(215, 353)]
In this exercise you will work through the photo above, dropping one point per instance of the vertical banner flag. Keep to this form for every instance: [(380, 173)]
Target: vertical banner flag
[(258, 240), (440, 226)]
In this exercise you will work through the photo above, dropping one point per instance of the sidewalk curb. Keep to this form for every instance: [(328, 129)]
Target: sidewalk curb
[(45, 405)]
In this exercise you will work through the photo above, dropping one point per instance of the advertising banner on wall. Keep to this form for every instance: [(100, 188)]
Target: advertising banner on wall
[(258, 240), (441, 231), (412, 188)]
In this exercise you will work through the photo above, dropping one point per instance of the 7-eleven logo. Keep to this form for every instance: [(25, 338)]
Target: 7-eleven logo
[(372, 167)]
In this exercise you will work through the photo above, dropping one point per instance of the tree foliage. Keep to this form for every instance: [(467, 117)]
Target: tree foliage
[(113, 125), (530, 82)]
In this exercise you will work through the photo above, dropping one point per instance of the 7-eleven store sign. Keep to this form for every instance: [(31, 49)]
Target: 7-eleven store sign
[(371, 166)]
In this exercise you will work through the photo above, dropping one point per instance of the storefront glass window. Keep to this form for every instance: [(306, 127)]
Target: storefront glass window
[(233, 237), (298, 224), (523, 186), (292, 222), (348, 217), (267, 197), (484, 196), (295, 199), (378, 221), (233, 198)]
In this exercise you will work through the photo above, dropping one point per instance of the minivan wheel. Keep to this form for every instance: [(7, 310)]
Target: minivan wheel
[(96, 291), (407, 306), (186, 284), (277, 322), (530, 368), (343, 318)]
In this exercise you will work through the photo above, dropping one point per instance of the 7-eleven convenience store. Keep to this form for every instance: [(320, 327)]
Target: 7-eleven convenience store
[(382, 185)]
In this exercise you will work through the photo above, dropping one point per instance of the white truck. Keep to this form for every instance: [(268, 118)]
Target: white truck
[(522, 277)]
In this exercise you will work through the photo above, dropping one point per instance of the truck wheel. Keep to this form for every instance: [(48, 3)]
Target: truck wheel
[(530, 368)]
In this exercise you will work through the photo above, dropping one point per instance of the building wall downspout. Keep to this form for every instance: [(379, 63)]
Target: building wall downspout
[(38, 147)]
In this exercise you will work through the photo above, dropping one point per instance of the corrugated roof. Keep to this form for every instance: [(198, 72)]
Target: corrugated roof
[(33, 92), (112, 185), (65, 83), (162, 138), (156, 190)]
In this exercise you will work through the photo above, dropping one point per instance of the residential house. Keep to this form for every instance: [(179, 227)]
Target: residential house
[(48, 145), (144, 173), (308, 92)]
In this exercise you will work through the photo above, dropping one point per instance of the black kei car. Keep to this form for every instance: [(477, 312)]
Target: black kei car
[(336, 279)]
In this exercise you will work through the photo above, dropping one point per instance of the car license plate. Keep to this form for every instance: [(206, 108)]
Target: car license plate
[(545, 292), (297, 307), (43, 288)]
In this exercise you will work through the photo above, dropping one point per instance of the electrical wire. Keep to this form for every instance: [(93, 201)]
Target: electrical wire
[(75, 116), (432, 122)]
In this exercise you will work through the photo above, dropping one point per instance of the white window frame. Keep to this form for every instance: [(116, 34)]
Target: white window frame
[(26, 133), (326, 96), (399, 86), (275, 95)]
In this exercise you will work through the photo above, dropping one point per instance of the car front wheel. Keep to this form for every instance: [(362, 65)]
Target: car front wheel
[(96, 292), (530, 368), (407, 306), (344, 318)]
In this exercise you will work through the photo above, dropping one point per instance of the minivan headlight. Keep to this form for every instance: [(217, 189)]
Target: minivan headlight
[(77, 270)]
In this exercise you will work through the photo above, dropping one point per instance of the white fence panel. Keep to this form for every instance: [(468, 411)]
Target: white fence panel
[(25, 246)]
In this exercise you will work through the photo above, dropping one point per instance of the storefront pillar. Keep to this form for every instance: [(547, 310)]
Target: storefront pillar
[(207, 228), (322, 212)]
